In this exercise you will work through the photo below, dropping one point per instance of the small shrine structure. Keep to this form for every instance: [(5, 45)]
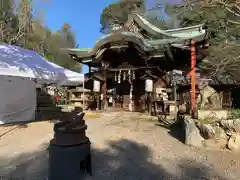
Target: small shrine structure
[(135, 58)]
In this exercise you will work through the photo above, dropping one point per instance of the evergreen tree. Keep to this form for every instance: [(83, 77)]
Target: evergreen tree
[(19, 26), (117, 13)]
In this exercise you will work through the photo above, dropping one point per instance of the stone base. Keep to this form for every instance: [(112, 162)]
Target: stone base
[(67, 162), (219, 114)]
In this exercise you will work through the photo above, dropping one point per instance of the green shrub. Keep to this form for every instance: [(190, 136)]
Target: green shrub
[(205, 121), (235, 113)]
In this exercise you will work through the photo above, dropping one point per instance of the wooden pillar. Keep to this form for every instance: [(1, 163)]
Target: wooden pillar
[(70, 97), (193, 78), (89, 70), (105, 90), (97, 98), (114, 99), (149, 103), (175, 101), (145, 99)]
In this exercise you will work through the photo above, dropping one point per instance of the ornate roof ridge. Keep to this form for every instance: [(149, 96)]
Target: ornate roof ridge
[(185, 32)]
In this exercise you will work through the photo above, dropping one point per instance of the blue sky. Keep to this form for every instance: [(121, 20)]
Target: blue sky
[(82, 15)]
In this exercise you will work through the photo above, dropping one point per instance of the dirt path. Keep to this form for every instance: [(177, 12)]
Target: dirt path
[(126, 146)]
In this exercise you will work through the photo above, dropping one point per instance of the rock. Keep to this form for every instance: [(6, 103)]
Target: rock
[(192, 134), (234, 142), (209, 98), (220, 133), (227, 124), (237, 125), (231, 124), (207, 131)]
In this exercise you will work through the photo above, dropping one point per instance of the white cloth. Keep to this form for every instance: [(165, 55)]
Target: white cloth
[(17, 99)]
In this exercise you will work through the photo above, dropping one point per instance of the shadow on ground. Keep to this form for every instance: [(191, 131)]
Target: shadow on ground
[(175, 129), (122, 160)]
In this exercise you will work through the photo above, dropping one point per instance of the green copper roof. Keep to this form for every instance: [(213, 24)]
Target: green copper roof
[(187, 32), (82, 49), (162, 38)]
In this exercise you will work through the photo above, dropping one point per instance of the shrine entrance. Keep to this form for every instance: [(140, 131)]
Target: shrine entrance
[(122, 95), (129, 87), (137, 47)]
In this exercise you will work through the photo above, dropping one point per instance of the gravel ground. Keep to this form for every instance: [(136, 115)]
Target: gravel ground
[(126, 146)]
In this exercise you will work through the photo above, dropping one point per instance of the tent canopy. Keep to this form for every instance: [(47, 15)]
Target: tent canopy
[(17, 92), (16, 61), (72, 78)]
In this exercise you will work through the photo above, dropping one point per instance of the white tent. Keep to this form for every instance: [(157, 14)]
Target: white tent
[(18, 68), (72, 78)]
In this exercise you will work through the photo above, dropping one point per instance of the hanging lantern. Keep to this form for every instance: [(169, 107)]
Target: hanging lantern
[(133, 75), (96, 86), (148, 85)]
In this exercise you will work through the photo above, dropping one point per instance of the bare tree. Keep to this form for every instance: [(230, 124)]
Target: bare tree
[(15, 21), (231, 7), (223, 20)]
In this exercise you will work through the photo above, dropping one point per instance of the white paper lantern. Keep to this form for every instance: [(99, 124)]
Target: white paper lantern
[(148, 85), (96, 86)]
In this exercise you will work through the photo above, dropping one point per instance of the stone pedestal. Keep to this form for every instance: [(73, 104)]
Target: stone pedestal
[(69, 150), (69, 162)]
